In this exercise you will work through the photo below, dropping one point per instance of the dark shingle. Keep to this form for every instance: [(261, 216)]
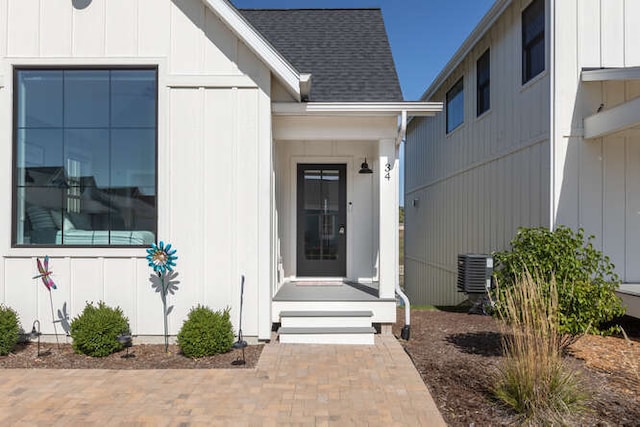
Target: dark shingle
[(346, 51)]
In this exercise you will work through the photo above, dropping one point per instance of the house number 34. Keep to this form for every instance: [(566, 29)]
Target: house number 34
[(387, 171)]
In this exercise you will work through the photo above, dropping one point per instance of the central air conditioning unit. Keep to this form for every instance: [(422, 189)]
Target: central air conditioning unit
[(474, 274)]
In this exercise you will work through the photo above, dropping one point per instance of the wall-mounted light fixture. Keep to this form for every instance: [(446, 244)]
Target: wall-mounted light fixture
[(364, 167)]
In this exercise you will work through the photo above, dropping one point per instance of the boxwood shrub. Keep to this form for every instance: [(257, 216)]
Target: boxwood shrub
[(586, 279), (9, 329), (205, 332), (95, 331)]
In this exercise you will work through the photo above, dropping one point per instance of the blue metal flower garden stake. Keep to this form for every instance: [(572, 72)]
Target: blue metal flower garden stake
[(162, 260)]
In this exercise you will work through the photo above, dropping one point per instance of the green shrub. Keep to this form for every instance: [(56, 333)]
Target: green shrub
[(533, 379), (585, 277), (95, 331), (205, 332), (9, 330)]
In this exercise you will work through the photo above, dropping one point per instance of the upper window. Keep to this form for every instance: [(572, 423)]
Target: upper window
[(532, 40), (85, 157), (455, 106), (483, 83)]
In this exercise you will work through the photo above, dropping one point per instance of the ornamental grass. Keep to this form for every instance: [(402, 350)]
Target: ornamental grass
[(533, 379)]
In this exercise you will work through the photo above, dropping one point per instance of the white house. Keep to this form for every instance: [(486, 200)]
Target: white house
[(238, 136), (541, 129)]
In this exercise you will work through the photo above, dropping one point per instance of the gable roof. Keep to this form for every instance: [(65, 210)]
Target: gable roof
[(256, 42), (346, 51)]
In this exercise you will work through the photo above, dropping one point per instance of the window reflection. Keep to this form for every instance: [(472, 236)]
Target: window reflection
[(86, 150), (321, 209)]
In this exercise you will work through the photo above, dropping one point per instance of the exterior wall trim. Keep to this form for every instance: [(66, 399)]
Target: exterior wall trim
[(480, 30), (608, 74), (258, 45)]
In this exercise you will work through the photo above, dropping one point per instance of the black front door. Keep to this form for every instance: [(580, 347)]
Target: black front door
[(322, 220)]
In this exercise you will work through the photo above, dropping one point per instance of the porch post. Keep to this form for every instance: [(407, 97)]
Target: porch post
[(388, 221)]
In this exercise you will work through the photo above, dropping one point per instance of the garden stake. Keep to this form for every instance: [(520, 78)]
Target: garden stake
[(241, 343), (162, 259), (45, 275)]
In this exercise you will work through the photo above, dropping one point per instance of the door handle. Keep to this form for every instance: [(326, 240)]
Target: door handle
[(341, 229)]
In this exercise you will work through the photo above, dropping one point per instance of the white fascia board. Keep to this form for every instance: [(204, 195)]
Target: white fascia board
[(356, 108), (285, 72), (470, 42), (614, 120), (608, 74)]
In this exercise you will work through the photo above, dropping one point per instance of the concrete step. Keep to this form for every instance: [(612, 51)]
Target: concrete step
[(327, 335), (333, 318)]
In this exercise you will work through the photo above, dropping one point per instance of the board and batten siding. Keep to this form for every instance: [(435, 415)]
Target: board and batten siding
[(597, 184), (214, 161), (469, 191)]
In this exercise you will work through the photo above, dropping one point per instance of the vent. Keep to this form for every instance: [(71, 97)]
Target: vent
[(474, 273)]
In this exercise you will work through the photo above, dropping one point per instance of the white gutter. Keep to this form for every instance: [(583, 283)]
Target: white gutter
[(356, 108)]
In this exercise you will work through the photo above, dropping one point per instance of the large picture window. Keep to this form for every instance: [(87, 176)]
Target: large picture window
[(455, 106), (532, 40), (85, 156)]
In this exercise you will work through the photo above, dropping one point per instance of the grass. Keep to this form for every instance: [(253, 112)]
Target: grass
[(533, 379)]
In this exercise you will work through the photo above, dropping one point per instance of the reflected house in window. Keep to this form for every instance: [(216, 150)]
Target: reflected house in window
[(101, 125)]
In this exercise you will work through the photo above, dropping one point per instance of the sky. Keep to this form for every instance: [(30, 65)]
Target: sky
[(424, 34)]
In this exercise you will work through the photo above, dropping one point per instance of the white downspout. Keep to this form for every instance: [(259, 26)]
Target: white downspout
[(406, 329)]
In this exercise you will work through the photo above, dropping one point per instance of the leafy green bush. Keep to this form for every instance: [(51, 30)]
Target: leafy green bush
[(9, 330), (585, 277), (95, 331), (205, 332)]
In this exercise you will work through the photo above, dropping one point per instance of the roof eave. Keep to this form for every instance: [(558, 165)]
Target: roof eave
[(362, 109), (278, 65), (470, 42)]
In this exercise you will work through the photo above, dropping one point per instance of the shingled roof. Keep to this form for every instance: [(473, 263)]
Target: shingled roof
[(345, 50)]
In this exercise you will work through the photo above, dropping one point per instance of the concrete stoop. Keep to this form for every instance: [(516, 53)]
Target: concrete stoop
[(326, 327)]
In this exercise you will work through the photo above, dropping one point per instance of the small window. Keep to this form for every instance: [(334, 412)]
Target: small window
[(532, 40), (483, 82), (85, 157), (455, 106)]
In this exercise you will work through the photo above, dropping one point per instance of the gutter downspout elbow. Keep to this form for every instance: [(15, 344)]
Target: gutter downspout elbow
[(405, 334)]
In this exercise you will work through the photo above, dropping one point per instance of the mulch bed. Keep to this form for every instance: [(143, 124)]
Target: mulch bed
[(145, 356), (457, 354)]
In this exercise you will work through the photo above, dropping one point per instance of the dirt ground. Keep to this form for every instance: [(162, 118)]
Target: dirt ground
[(149, 356), (457, 354)]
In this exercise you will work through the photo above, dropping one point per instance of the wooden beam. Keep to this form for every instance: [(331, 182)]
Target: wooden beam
[(607, 74), (618, 118)]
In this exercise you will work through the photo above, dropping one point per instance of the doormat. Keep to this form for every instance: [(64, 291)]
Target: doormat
[(317, 283)]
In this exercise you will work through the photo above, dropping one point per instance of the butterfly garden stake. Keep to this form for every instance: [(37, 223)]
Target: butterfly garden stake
[(162, 259), (45, 275)]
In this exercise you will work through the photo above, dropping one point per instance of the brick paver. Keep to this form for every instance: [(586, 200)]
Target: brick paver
[(293, 384)]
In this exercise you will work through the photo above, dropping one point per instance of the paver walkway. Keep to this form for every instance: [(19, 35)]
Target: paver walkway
[(292, 385)]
